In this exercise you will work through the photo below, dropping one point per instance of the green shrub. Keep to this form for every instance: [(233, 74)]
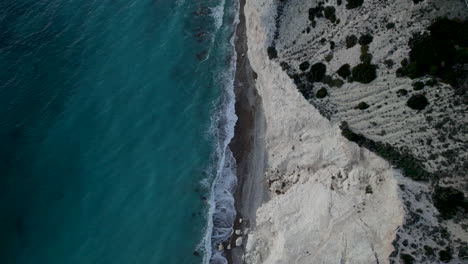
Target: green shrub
[(431, 82), (321, 93), (418, 86), (364, 49), (461, 55), (285, 66), (362, 106), (462, 35), (354, 3), (332, 82), (428, 251), (417, 102), (445, 29), (329, 57), (329, 13), (366, 39), (306, 89), (448, 200), (406, 258), (351, 41), (336, 83), (304, 66), (272, 53), (366, 58), (317, 72), (344, 71), (402, 92), (445, 255), (389, 63), (440, 50), (390, 25), (364, 73)]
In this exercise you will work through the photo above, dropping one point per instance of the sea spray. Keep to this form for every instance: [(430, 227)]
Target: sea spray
[(221, 211)]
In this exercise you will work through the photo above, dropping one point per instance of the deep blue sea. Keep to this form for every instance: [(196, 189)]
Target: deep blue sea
[(115, 119)]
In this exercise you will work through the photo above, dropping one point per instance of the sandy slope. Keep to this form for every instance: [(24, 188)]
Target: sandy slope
[(333, 202)]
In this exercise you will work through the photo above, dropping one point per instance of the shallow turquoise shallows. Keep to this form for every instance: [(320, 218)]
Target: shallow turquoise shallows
[(109, 133)]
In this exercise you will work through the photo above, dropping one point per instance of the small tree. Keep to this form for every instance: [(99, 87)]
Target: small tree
[(329, 13), (344, 71), (354, 3), (418, 86), (362, 106), (417, 102), (304, 66), (317, 72), (351, 41), (321, 93), (365, 39), (272, 53), (364, 73)]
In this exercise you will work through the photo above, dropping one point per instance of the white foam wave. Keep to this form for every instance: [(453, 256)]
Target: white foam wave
[(221, 211), (218, 14)]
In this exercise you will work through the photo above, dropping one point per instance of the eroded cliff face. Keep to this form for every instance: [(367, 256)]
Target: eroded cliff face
[(334, 202)]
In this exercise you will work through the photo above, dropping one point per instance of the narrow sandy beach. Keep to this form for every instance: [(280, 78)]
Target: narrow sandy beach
[(247, 144)]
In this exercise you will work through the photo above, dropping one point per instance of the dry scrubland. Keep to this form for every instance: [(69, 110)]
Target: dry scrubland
[(334, 200)]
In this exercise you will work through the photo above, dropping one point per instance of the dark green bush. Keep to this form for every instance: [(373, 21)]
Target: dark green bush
[(431, 82), (461, 55), (446, 43), (321, 93), (402, 92), (332, 82), (285, 66), (354, 3), (389, 63), (344, 71), (364, 73), (329, 13), (306, 89), (462, 35), (351, 41), (390, 25), (317, 72), (448, 200), (362, 106), (418, 86), (417, 102), (445, 255), (406, 258), (445, 29), (304, 66), (336, 83), (366, 39), (428, 251), (366, 58), (440, 50), (272, 53)]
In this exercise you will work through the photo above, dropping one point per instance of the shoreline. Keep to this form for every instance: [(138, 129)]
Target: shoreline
[(246, 145)]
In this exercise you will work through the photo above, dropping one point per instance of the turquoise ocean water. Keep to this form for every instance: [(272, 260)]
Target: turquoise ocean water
[(113, 138)]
